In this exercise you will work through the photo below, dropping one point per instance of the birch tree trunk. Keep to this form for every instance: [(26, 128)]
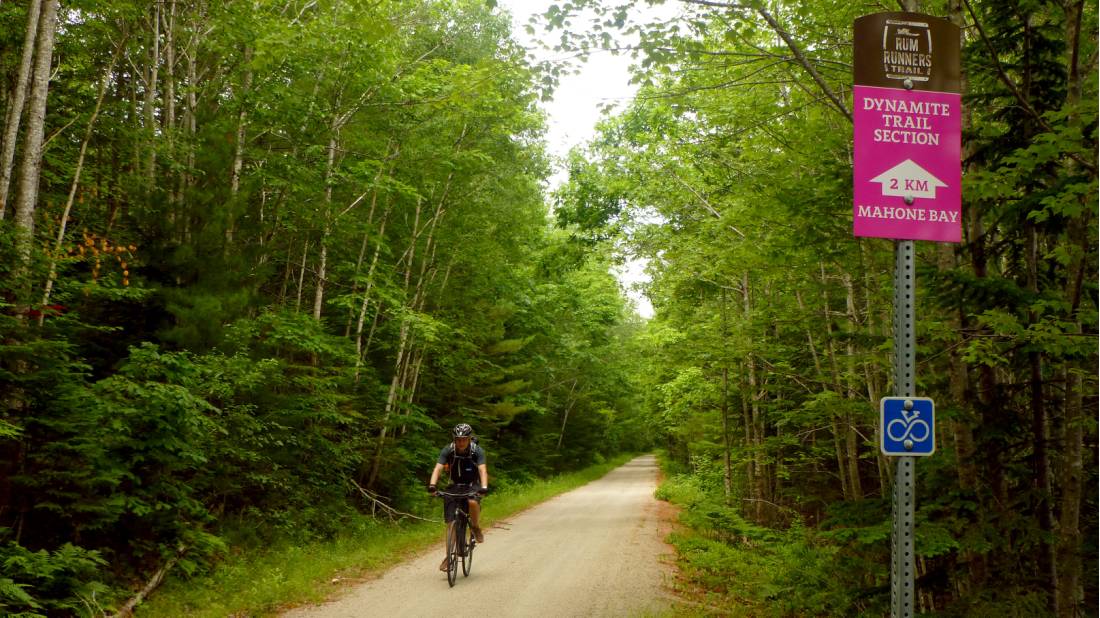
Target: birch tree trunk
[(565, 417), (724, 408), (415, 303), (301, 277), (727, 468), (359, 348), (190, 124), (238, 150), (169, 124), (361, 256), (839, 431), (374, 261), (319, 291), (746, 422), (15, 106), (149, 101), (31, 166), (851, 435), (399, 360), (754, 435), (76, 182)]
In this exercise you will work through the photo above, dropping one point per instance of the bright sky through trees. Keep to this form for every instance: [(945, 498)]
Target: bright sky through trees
[(603, 79)]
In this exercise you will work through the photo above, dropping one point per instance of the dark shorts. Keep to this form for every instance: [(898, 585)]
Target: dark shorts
[(451, 504)]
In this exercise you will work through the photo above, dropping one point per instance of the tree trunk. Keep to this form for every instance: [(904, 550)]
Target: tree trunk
[(1069, 531), (301, 277), (15, 104), (149, 102), (727, 471), (399, 359), (851, 436), (319, 291), (190, 122), (322, 274), (755, 435), (1039, 433), (391, 401), (169, 125), (31, 166), (727, 468), (359, 349), (238, 149), (840, 431), (76, 183), (565, 417), (359, 260)]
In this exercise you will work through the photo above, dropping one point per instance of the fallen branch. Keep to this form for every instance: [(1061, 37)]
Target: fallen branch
[(378, 502), (151, 585)]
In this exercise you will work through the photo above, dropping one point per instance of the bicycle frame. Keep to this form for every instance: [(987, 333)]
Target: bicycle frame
[(460, 542)]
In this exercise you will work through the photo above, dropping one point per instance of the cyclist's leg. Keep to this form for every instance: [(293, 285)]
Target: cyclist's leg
[(475, 519)]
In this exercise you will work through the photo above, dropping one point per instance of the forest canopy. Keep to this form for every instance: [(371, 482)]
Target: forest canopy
[(259, 257)]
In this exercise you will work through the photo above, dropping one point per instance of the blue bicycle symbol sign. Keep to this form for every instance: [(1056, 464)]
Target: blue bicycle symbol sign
[(907, 426)]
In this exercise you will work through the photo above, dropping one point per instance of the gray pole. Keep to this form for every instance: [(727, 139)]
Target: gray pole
[(905, 494), (903, 558)]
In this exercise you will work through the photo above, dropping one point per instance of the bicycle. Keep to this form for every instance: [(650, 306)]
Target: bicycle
[(460, 538)]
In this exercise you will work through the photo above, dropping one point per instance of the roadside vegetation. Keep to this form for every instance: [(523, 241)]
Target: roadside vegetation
[(733, 567), (770, 347), (260, 579), (256, 259)]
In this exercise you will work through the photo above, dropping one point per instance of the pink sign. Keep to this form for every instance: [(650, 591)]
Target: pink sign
[(907, 173)]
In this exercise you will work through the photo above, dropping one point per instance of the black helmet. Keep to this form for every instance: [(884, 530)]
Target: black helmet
[(462, 430)]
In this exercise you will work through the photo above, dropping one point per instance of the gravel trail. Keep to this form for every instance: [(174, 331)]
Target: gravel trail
[(595, 551)]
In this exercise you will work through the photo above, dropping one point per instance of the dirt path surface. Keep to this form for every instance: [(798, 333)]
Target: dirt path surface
[(595, 551)]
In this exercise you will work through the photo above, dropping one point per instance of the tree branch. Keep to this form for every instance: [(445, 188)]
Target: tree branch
[(1007, 81), (703, 200), (376, 503), (151, 585), (802, 60)]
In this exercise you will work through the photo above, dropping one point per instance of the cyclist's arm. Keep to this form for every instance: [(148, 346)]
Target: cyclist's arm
[(435, 474), (483, 470)]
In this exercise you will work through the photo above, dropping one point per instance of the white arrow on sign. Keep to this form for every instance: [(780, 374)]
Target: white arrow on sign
[(907, 179)]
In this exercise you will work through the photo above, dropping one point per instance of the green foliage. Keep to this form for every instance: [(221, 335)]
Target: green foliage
[(43, 583), (321, 238), (737, 567), (317, 241), (770, 348)]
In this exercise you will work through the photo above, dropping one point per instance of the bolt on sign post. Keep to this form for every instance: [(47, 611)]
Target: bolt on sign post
[(906, 178)]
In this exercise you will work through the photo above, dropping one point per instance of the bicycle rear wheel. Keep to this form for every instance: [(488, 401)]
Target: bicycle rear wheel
[(452, 553)]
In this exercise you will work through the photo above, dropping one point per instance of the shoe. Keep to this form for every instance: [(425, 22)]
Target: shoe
[(446, 563), (478, 536)]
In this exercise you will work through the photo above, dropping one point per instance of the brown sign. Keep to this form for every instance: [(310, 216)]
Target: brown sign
[(907, 50)]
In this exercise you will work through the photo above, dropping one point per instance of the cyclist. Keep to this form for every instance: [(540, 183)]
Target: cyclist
[(465, 461)]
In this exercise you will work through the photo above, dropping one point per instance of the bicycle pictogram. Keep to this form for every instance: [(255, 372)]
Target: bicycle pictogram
[(910, 426)]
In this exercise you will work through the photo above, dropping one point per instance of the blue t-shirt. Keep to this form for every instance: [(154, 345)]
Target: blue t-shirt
[(463, 465)]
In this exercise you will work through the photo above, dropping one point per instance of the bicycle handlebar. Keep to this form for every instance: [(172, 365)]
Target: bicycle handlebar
[(446, 494)]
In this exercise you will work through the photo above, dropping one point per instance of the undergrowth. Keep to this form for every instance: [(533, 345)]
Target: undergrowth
[(734, 567), (259, 580)]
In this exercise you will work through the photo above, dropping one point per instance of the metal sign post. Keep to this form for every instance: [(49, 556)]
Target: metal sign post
[(903, 557), (907, 182)]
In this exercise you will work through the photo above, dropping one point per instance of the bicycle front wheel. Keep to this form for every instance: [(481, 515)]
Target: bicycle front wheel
[(468, 555), (452, 553)]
